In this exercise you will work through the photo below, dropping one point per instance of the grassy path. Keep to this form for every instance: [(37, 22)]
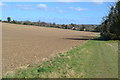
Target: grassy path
[(95, 59)]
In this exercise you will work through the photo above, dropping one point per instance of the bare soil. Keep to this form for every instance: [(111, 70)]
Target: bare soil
[(23, 45)]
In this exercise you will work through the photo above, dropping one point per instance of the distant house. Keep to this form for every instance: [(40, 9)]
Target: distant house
[(74, 28), (84, 29)]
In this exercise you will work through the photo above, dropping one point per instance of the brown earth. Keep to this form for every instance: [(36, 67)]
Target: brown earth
[(23, 45)]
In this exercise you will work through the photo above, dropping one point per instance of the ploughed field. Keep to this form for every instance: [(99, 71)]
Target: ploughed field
[(24, 45)]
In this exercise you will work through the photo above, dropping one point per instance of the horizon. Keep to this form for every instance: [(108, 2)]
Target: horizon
[(58, 12)]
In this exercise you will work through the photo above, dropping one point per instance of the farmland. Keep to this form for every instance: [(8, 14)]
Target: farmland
[(94, 59), (24, 45), (59, 40)]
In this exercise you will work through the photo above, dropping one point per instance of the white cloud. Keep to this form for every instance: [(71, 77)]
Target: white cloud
[(98, 1), (60, 11), (42, 6), (69, 0), (46, 8), (25, 7), (2, 4), (78, 8)]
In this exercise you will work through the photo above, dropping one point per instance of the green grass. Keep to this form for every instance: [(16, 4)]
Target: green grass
[(95, 59)]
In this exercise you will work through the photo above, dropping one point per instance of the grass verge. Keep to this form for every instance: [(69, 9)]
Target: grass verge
[(95, 59)]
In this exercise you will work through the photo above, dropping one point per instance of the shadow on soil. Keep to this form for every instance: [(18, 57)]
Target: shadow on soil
[(77, 39), (87, 38)]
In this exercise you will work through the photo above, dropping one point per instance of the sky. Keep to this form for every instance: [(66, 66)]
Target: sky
[(58, 12)]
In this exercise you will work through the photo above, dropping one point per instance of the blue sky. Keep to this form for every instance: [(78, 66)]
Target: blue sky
[(58, 12)]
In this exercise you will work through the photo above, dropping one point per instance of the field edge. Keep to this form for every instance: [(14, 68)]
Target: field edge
[(78, 62)]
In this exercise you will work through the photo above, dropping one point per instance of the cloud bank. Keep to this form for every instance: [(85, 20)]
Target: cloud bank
[(59, 0), (78, 8), (2, 4)]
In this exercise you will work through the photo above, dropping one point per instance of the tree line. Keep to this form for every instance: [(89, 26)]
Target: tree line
[(93, 28), (110, 27)]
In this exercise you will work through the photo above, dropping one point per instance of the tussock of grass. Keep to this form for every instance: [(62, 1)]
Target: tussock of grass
[(95, 59)]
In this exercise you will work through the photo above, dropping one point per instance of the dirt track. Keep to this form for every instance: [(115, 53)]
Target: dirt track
[(23, 45)]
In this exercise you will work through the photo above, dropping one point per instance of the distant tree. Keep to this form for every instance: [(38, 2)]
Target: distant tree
[(97, 29), (82, 28), (13, 21), (73, 25), (27, 22), (54, 23), (62, 26), (65, 26), (9, 19), (39, 22)]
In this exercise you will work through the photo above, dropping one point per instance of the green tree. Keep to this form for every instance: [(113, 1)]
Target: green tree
[(9, 19), (111, 24)]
